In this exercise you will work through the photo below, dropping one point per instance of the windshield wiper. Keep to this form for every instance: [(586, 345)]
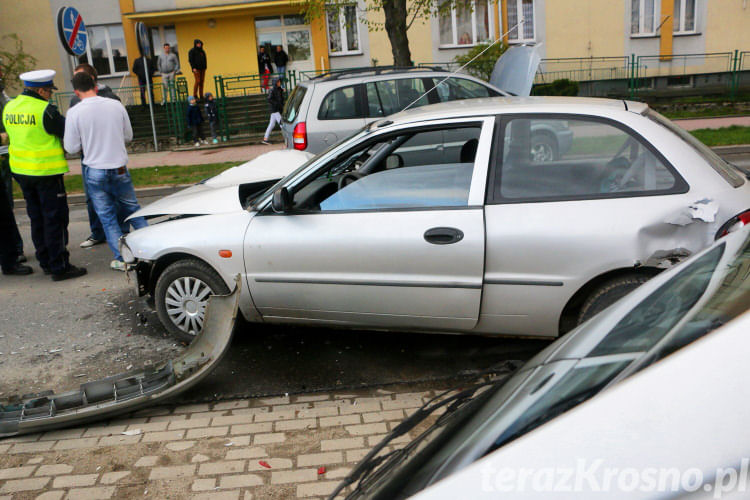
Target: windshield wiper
[(370, 462)]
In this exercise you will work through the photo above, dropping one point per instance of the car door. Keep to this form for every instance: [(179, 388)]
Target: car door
[(400, 247), (600, 202)]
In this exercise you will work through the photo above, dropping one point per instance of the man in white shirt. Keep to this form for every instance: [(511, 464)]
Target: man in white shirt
[(101, 127)]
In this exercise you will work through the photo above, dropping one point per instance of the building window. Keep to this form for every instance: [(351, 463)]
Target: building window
[(343, 30), (161, 35), (106, 50), (643, 17), (521, 10), (684, 16), (465, 22)]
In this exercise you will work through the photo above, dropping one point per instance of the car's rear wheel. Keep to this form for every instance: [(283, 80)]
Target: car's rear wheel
[(181, 296), (609, 293)]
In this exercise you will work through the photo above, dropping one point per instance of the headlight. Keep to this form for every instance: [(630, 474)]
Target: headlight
[(127, 254)]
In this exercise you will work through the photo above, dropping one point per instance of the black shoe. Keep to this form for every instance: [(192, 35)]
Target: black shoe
[(21, 259), (18, 270), (71, 272)]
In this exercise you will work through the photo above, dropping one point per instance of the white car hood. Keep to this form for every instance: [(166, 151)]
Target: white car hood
[(220, 194)]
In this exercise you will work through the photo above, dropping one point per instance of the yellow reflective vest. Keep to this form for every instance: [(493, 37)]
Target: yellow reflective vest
[(32, 150)]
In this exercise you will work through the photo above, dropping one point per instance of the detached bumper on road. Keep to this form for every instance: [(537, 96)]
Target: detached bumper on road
[(133, 390)]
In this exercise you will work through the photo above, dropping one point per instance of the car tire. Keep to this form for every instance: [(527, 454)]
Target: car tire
[(543, 148), (181, 294), (609, 293)]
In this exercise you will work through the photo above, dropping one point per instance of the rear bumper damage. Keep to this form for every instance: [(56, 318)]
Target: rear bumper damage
[(132, 390)]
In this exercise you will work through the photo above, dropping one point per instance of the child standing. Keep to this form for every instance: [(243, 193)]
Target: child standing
[(212, 114), (194, 121)]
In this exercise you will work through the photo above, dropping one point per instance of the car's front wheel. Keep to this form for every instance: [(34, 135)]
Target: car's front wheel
[(181, 296)]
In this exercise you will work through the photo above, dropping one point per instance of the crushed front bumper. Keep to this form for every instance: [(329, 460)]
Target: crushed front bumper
[(129, 391)]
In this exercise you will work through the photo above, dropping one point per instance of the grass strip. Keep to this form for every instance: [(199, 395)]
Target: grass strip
[(151, 176)]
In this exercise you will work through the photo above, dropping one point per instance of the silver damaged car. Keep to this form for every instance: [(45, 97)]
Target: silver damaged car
[(443, 219)]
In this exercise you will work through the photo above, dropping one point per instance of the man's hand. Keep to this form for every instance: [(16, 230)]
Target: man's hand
[(3, 138), (195, 70)]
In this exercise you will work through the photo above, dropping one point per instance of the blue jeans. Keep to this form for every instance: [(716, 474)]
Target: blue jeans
[(108, 190), (97, 231)]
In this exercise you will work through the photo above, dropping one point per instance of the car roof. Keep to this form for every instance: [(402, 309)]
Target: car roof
[(497, 105), (357, 78)]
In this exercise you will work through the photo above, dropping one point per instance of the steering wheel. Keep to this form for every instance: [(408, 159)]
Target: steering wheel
[(348, 178)]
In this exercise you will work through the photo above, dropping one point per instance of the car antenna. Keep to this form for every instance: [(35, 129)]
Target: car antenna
[(499, 39)]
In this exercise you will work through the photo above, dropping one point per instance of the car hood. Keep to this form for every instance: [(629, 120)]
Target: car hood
[(515, 70), (220, 194)]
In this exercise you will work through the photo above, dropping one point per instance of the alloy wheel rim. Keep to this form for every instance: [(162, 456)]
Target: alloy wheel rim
[(542, 153), (186, 301)]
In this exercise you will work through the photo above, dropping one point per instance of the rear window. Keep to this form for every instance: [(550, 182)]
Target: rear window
[(339, 104), (727, 171), (454, 89), (391, 96), (291, 109)]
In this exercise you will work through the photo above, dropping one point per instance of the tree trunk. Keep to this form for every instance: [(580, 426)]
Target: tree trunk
[(395, 26)]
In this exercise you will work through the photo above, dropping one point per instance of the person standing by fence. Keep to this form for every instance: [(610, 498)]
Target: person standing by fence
[(198, 63), (168, 65), (140, 67), (195, 121), (100, 128), (264, 67), (280, 59), (276, 103), (212, 115)]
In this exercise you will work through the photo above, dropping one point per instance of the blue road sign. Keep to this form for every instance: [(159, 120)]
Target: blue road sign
[(72, 31), (142, 38)]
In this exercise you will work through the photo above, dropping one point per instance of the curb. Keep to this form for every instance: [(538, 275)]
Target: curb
[(732, 150), (80, 198)]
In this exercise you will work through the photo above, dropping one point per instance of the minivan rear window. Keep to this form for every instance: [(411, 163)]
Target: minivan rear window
[(291, 109)]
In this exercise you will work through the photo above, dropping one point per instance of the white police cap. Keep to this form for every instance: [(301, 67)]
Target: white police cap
[(39, 78)]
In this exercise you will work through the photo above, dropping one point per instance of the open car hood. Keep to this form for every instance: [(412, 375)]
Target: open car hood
[(220, 194), (515, 70)]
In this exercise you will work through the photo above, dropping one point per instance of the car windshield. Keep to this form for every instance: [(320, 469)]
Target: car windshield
[(703, 295), (268, 192), (726, 170)]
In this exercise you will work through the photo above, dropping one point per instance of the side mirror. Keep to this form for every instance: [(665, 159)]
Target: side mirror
[(394, 161), (281, 201)]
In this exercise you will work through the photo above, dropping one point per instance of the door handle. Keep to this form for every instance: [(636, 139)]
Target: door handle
[(443, 235)]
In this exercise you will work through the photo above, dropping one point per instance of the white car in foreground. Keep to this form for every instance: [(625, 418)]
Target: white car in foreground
[(441, 219), (645, 400)]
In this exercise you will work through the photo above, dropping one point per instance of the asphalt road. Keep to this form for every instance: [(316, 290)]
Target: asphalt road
[(57, 335)]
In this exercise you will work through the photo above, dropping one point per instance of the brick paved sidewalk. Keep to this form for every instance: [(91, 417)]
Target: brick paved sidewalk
[(243, 449)]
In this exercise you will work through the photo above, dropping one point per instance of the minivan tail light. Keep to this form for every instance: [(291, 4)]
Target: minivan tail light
[(299, 136), (735, 223)]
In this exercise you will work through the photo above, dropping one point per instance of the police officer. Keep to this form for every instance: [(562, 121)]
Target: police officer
[(37, 161)]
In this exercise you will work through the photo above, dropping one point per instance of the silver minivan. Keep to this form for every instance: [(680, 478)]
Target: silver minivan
[(331, 107)]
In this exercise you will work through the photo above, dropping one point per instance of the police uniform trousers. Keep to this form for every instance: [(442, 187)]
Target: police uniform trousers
[(7, 186), (8, 249), (47, 207)]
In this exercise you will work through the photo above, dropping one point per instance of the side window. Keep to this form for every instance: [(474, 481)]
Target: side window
[(454, 89), (339, 104), (391, 96), (416, 169), (553, 158)]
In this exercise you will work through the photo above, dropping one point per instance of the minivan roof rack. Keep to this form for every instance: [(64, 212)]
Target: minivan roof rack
[(375, 70)]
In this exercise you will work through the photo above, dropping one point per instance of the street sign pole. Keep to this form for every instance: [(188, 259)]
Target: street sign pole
[(144, 45)]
